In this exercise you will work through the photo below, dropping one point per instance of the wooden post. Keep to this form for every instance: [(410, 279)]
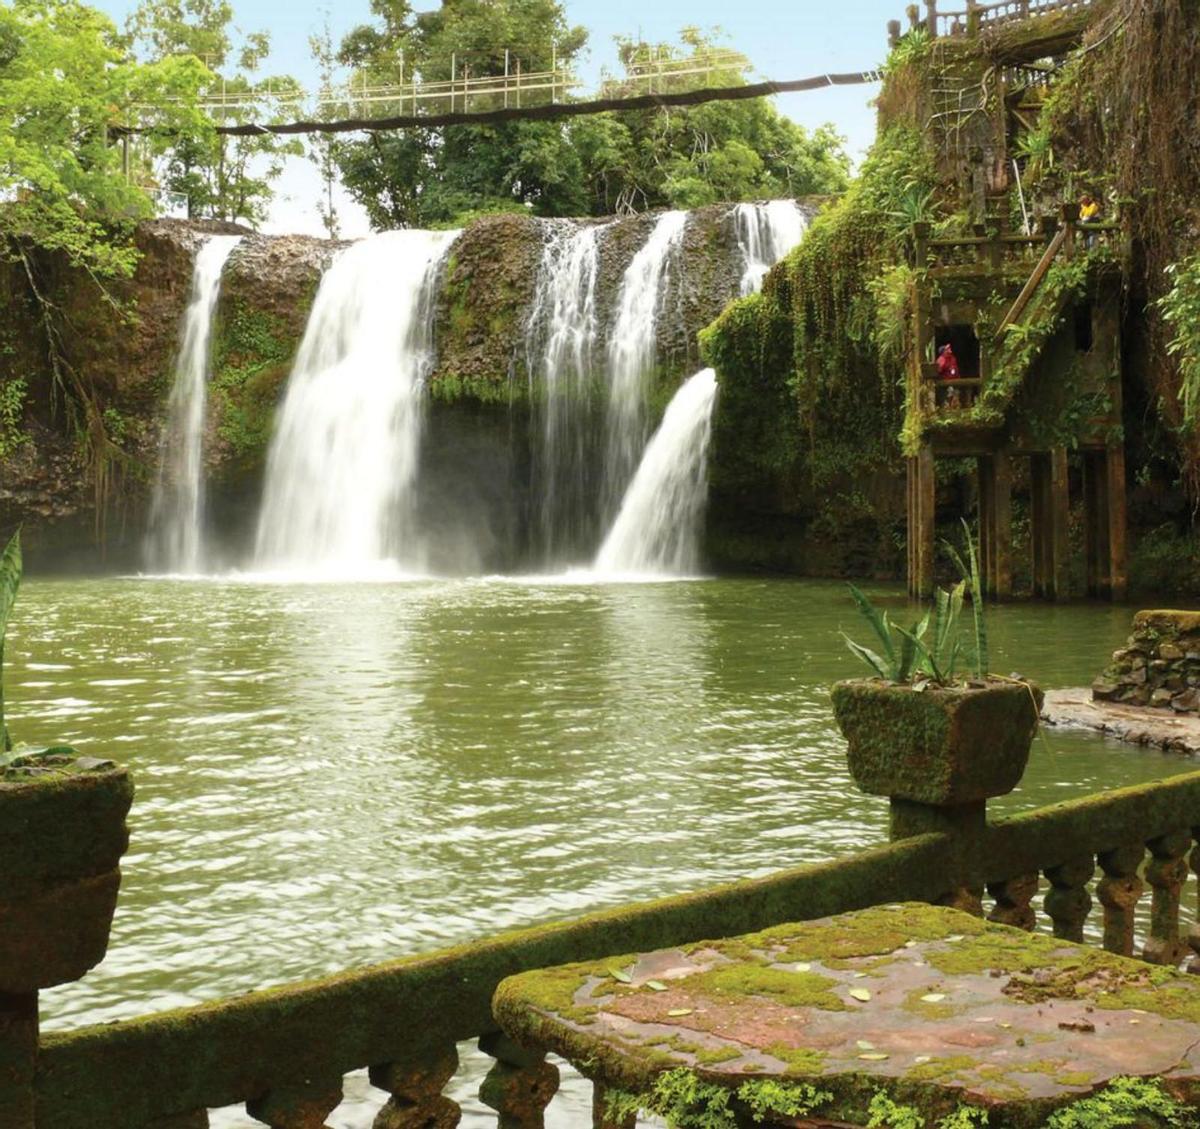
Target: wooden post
[(995, 523), (1038, 474), (1070, 216), (893, 32), (913, 11), (987, 522), (1002, 518), (1095, 523), (931, 18), (1118, 574), (1059, 507), (923, 528), (974, 18)]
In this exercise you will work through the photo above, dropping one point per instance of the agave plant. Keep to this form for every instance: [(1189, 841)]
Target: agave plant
[(969, 571), (899, 647), (10, 581), (932, 647)]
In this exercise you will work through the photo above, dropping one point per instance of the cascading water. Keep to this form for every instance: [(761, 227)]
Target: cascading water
[(766, 232), (657, 530), (631, 352), (176, 540), (340, 494), (560, 342)]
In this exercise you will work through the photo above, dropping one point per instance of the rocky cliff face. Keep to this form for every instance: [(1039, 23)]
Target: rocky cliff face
[(125, 350)]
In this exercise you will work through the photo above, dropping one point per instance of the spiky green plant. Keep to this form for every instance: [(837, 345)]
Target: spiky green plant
[(939, 656), (10, 581), (898, 660), (969, 571)]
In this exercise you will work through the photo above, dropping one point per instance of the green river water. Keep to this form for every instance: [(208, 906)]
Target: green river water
[(330, 776)]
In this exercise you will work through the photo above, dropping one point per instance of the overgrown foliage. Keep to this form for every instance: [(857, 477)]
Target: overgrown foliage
[(1122, 118), (61, 180), (1180, 308), (685, 1101)]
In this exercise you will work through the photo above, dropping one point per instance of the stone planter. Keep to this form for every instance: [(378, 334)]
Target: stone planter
[(62, 835), (941, 746)]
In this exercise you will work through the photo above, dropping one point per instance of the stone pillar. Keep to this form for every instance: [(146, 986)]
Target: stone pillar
[(939, 755), (62, 836)]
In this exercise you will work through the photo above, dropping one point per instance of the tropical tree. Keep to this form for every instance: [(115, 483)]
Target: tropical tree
[(427, 178), (229, 178), (597, 164), (694, 155), (63, 183)]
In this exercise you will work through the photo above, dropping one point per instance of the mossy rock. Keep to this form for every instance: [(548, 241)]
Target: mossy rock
[(943, 745), (62, 836)]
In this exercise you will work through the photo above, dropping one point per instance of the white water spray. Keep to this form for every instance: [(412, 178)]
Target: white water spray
[(560, 342), (340, 494), (657, 530), (766, 232), (632, 350), (176, 540)]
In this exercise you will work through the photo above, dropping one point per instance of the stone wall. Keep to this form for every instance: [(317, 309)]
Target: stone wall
[(1159, 667)]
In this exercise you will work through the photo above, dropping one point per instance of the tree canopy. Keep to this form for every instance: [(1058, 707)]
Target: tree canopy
[(66, 77), (227, 178), (592, 165)]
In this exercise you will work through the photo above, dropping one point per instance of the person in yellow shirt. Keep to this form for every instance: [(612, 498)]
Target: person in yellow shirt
[(1089, 209)]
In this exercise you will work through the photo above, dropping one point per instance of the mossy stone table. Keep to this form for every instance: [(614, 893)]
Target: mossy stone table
[(932, 1007)]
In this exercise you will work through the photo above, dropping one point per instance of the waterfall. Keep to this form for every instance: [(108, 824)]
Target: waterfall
[(176, 540), (766, 232), (340, 494), (560, 340), (632, 351), (657, 530)]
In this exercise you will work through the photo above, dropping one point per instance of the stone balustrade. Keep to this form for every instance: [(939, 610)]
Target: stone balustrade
[(1159, 666), (283, 1052)]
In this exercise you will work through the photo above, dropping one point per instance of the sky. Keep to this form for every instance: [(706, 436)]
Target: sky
[(784, 39)]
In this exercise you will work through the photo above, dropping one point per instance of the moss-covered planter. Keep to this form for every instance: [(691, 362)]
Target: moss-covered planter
[(62, 835), (942, 746)]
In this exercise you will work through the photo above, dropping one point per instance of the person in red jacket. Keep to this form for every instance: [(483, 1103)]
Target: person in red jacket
[(947, 367)]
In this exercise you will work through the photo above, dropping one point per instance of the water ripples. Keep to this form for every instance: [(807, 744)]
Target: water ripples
[(330, 776)]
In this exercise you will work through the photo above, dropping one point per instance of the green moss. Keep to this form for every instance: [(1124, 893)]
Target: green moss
[(792, 989), (253, 354), (799, 1060), (946, 1069)]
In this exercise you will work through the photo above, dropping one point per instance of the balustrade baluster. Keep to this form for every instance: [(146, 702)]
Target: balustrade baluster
[(416, 1086), (520, 1084), (1194, 932), (300, 1105), (1119, 891), (967, 899), (1013, 901), (600, 1117), (1067, 901), (1166, 873)]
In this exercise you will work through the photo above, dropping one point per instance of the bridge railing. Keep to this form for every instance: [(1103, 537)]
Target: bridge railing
[(283, 1052), (976, 17)]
